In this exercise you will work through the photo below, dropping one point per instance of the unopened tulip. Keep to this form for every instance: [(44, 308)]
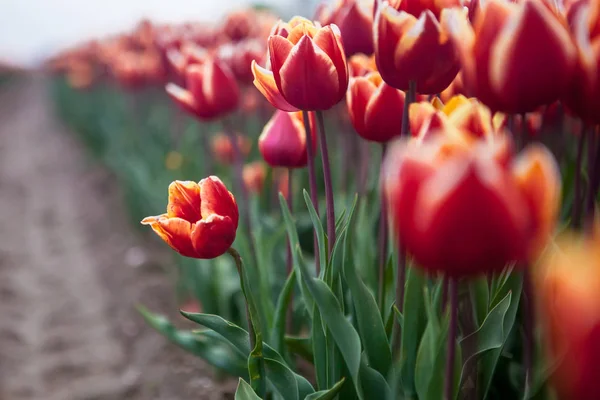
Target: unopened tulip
[(375, 108), (516, 56), (282, 142), (308, 63), (254, 175), (211, 90), (568, 288), (417, 49), (223, 150), (459, 207), (355, 20), (201, 219)]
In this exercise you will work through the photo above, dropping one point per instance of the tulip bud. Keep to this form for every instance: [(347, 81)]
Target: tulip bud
[(375, 108), (418, 50), (211, 90), (254, 175), (459, 207), (282, 142), (222, 148), (309, 70), (201, 219), (568, 289), (355, 20)]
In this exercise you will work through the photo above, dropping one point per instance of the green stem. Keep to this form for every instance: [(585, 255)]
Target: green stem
[(312, 181), (328, 184), (383, 238), (451, 346)]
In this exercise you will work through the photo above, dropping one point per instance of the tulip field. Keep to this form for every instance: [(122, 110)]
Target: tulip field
[(388, 199)]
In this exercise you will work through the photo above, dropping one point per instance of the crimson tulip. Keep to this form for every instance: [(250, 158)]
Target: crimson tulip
[(282, 142), (355, 20), (375, 108)]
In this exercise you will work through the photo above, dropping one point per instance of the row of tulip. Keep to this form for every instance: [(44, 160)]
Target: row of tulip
[(423, 285)]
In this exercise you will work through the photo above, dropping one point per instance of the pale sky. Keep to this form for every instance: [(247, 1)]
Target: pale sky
[(30, 30)]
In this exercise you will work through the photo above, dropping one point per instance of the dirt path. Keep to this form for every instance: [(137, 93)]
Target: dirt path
[(71, 270)]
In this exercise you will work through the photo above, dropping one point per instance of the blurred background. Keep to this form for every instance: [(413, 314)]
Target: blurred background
[(74, 262)]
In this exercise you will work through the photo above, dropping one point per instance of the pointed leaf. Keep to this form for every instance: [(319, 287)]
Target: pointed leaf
[(329, 394), (245, 392)]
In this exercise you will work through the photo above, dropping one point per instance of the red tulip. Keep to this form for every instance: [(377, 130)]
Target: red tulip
[(355, 20), (464, 207), (308, 64), (201, 219), (375, 108), (222, 148), (361, 65), (282, 142), (254, 175), (211, 90), (410, 49), (416, 7), (516, 57)]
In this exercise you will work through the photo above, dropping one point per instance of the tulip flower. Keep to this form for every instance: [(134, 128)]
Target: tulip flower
[(282, 142), (238, 56), (375, 108), (355, 20), (201, 219), (568, 288), (516, 57), (309, 70), (411, 49), (465, 207), (361, 65), (223, 150), (254, 175), (211, 90), (238, 25)]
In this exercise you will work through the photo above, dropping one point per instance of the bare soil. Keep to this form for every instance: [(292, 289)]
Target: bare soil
[(72, 269)]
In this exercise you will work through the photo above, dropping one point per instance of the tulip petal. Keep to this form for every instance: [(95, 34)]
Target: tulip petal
[(357, 98), (174, 231), (213, 236), (329, 40), (309, 79), (216, 199), (282, 142), (383, 115), (265, 83), (182, 97), (279, 50), (184, 201), (220, 88), (538, 177)]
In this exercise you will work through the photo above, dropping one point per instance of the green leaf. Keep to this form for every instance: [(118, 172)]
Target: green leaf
[(490, 334), (238, 337), (294, 243), (368, 316), (511, 284), (413, 327), (329, 394), (319, 349), (245, 392), (282, 379), (373, 383), (301, 346), (399, 317), (283, 302), (318, 229), (214, 351)]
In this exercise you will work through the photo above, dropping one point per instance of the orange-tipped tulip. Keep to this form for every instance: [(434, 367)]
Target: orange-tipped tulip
[(211, 90), (222, 147), (375, 108), (515, 57), (355, 20), (308, 63), (568, 288), (201, 219), (461, 210), (282, 142), (361, 65), (408, 49), (254, 175)]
